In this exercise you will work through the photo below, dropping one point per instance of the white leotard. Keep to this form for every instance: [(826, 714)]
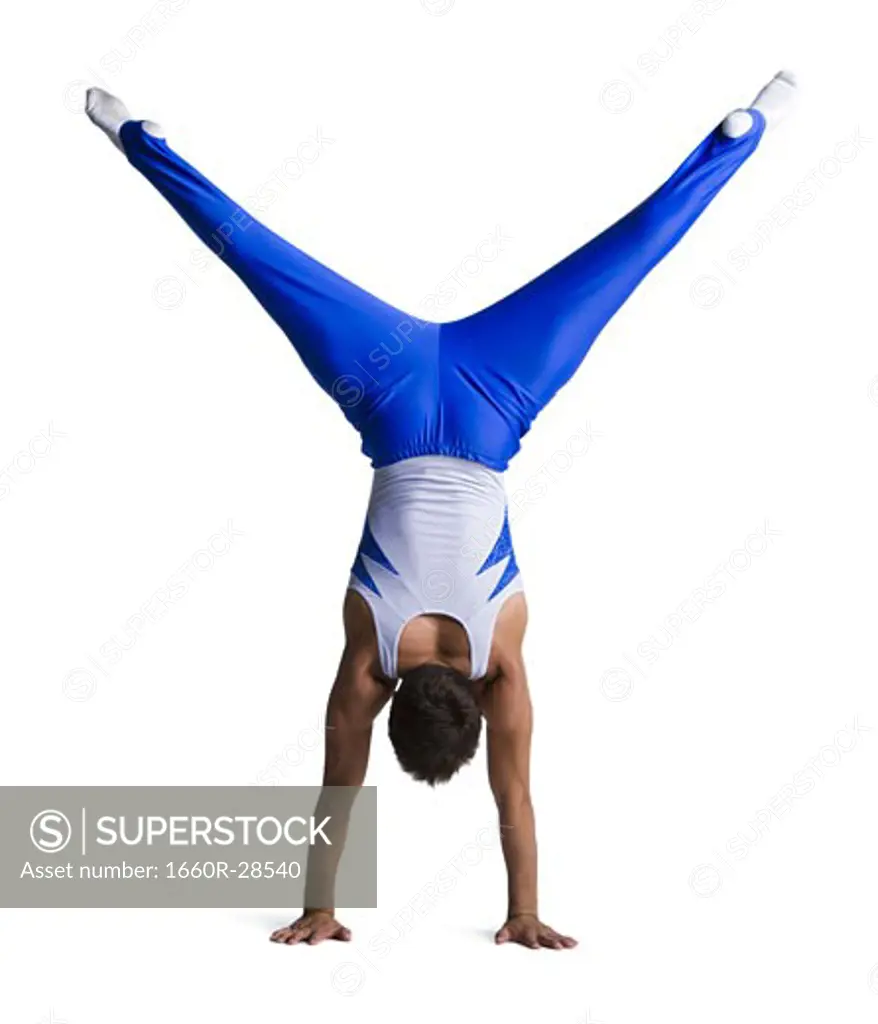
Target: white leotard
[(436, 542)]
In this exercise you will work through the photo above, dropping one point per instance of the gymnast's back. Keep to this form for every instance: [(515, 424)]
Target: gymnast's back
[(436, 542)]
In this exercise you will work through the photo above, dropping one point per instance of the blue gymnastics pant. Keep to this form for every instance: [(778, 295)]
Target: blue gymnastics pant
[(470, 388)]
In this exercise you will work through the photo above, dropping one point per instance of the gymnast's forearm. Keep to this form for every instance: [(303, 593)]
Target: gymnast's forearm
[(519, 842), (348, 743), (334, 808)]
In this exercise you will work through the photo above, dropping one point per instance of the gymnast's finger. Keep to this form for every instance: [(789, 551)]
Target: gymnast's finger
[(297, 934)]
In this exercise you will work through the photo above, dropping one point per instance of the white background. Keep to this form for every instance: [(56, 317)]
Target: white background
[(724, 401)]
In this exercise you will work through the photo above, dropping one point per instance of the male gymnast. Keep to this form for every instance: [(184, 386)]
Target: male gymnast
[(433, 626)]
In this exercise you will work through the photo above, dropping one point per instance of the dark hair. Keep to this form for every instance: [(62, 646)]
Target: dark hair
[(435, 723)]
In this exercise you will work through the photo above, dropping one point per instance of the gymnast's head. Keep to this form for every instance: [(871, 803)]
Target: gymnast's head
[(435, 723)]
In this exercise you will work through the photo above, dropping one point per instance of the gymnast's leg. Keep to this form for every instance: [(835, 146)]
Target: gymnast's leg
[(327, 318), (536, 338)]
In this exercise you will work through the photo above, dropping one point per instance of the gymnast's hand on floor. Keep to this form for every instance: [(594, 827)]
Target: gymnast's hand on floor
[(312, 927), (528, 930)]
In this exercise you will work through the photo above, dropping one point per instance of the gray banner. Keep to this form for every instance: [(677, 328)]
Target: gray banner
[(188, 846)]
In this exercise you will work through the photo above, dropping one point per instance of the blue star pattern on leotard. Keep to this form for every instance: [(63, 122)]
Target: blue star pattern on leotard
[(502, 549)]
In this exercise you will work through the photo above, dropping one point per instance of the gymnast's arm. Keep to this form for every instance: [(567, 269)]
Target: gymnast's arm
[(357, 697), (355, 701), (509, 718)]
